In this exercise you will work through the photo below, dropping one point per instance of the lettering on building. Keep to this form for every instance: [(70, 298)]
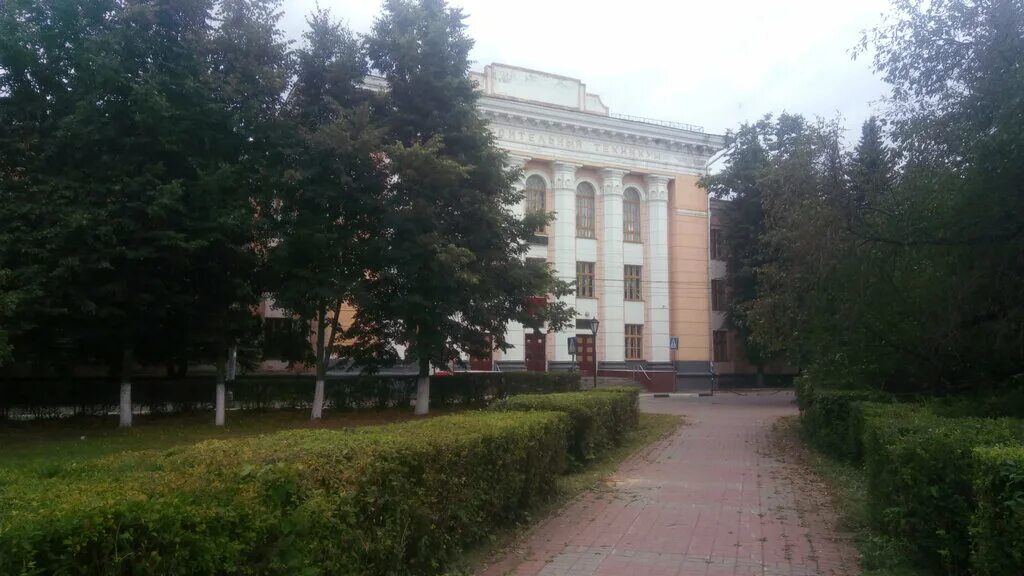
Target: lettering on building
[(576, 144)]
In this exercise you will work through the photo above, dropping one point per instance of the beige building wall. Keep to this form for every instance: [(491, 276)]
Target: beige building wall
[(688, 269)]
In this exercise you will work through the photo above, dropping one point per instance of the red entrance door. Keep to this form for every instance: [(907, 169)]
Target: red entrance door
[(585, 353), (536, 352)]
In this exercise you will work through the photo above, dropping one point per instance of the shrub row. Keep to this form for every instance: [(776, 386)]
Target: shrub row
[(43, 398), (920, 480), (829, 419), (396, 499), (998, 523), (598, 419), (932, 480)]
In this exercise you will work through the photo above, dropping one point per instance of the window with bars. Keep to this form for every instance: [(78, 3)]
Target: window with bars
[(632, 277), (584, 279), (631, 215), (634, 341), (717, 244), (720, 348), (718, 295), (536, 193), (585, 210)]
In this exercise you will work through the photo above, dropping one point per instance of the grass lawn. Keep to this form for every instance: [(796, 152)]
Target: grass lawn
[(880, 555), (652, 427), (46, 443)]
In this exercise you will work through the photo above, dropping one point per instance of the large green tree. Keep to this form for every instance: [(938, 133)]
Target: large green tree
[(454, 272), (130, 163), (329, 202)]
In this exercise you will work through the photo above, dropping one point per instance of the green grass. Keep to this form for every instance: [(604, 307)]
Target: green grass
[(47, 443), (880, 555), (652, 427)]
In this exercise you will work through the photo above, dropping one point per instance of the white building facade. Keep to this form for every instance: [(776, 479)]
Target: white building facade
[(630, 223)]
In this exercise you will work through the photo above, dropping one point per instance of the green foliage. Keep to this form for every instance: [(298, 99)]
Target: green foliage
[(598, 419), (898, 264), (454, 272), (921, 479), (401, 498), (329, 203), (829, 420), (999, 517)]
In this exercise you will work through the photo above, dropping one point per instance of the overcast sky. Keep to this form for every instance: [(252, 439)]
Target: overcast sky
[(713, 63)]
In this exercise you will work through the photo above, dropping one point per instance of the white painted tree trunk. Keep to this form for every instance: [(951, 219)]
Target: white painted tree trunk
[(422, 394), (232, 363), (221, 371), (318, 400), (125, 411), (321, 365)]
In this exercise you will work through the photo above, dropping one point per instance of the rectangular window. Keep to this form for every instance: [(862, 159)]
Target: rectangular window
[(718, 295), (584, 279), (721, 346), (634, 341), (282, 338), (632, 277), (717, 246), (584, 216)]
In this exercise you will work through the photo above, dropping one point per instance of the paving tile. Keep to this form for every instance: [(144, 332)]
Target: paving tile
[(716, 498)]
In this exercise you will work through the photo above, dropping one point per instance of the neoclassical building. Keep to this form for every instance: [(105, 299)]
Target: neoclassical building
[(631, 225), (631, 228)]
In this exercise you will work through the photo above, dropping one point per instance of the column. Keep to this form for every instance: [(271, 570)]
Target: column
[(564, 236), (515, 334), (612, 285), (657, 262)]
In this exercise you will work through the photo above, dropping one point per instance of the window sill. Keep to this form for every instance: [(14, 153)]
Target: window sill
[(632, 299), (586, 297), (633, 241)]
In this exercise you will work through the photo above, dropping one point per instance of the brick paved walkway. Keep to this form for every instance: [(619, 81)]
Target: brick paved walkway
[(719, 497)]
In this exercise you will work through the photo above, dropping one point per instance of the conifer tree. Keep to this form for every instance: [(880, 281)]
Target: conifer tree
[(454, 273), (328, 203)]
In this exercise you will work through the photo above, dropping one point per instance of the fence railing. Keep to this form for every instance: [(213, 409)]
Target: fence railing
[(665, 123)]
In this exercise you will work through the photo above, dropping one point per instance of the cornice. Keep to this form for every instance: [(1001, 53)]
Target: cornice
[(549, 133), (595, 125)]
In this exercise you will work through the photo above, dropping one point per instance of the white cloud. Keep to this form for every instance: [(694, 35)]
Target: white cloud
[(715, 64)]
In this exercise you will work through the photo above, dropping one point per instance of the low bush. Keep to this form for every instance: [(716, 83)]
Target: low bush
[(997, 529), (920, 478), (379, 500), (827, 420), (597, 418)]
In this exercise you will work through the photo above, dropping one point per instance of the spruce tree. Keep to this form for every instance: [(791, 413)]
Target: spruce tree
[(454, 273), (328, 202)]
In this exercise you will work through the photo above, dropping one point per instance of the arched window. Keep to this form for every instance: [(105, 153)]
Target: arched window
[(585, 210), (631, 215), (536, 191)]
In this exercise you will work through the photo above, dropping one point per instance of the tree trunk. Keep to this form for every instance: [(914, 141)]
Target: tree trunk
[(760, 376), (423, 388), (221, 372), (232, 362), (127, 361), (321, 365)]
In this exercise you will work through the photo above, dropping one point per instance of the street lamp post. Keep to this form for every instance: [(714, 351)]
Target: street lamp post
[(594, 323)]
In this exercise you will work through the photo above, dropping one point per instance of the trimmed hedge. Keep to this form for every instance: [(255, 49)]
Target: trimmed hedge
[(921, 479), (55, 397), (828, 420), (391, 499), (598, 419), (997, 529)]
